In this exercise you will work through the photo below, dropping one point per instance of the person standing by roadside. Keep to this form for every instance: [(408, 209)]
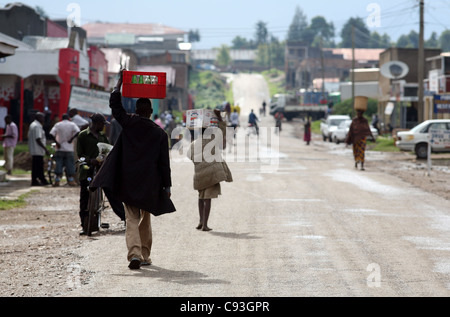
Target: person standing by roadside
[(87, 148), (137, 172), (64, 133), (37, 147), (359, 131), (9, 143), (308, 133), (159, 122)]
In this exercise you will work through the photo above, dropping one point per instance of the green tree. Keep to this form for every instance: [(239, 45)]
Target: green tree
[(409, 41), (271, 54), (362, 33), (433, 41), (40, 10), (194, 36), (322, 32), (298, 29), (240, 43), (262, 33), (223, 56), (444, 41)]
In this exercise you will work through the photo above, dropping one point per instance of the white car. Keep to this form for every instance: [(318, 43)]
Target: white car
[(330, 125), (340, 134), (416, 140)]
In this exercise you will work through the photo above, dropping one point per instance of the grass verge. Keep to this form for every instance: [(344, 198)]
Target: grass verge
[(17, 203)]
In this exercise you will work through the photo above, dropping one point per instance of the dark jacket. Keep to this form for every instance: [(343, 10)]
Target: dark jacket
[(138, 170)]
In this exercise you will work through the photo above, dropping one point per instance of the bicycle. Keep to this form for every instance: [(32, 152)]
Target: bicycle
[(51, 166), (96, 204)]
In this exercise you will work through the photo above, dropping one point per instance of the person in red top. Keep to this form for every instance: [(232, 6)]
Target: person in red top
[(359, 131)]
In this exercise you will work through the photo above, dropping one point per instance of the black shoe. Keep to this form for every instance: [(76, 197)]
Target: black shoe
[(135, 264)]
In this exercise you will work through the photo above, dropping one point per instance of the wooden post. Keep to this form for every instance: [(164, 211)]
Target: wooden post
[(22, 102), (421, 65)]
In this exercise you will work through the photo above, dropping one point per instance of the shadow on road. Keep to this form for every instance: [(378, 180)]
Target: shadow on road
[(233, 235), (171, 276)]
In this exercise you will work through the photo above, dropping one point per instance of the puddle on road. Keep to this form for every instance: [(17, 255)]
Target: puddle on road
[(364, 182)]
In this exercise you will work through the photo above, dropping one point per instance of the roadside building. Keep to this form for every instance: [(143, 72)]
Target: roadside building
[(50, 60), (437, 100), (241, 60), (398, 103), (306, 67), (150, 48)]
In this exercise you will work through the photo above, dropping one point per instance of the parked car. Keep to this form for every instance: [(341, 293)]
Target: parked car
[(340, 134), (331, 124), (416, 140)]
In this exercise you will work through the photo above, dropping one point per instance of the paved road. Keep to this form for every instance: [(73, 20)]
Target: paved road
[(302, 222)]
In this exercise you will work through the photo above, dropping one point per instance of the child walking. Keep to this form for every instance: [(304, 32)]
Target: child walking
[(210, 168)]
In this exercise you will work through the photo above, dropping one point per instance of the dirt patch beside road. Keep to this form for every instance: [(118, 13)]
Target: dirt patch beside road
[(38, 244)]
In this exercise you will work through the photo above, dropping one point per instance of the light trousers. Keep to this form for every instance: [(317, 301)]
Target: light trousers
[(9, 158), (138, 234)]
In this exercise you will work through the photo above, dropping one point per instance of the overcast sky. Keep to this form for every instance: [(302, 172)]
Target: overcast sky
[(220, 21)]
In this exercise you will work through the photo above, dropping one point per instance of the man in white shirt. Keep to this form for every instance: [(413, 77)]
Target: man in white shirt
[(9, 143), (64, 133), (78, 120), (37, 147)]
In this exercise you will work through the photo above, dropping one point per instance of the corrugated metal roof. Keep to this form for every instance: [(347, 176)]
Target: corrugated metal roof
[(361, 54), (100, 30), (13, 42), (41, 43), (236, 55)]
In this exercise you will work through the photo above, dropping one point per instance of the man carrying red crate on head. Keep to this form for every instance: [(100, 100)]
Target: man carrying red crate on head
[(138, 172)]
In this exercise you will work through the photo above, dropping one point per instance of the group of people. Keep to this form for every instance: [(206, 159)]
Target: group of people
[(136, 175)]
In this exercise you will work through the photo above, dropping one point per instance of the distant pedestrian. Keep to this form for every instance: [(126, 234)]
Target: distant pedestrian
[(264, 108), (308, 134), (210, 169), (37, 147), (253, 121), (235, 122), (376, 122), (10, 139), (64, 132), (279, 116), (359, 131), (158, 121), (228, 111)]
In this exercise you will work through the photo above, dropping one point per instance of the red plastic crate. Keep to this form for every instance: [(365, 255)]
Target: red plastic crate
[(144, 85)]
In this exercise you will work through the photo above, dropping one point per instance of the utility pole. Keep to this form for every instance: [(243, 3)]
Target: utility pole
[(322, 61), (353, 66), (421, 64)]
